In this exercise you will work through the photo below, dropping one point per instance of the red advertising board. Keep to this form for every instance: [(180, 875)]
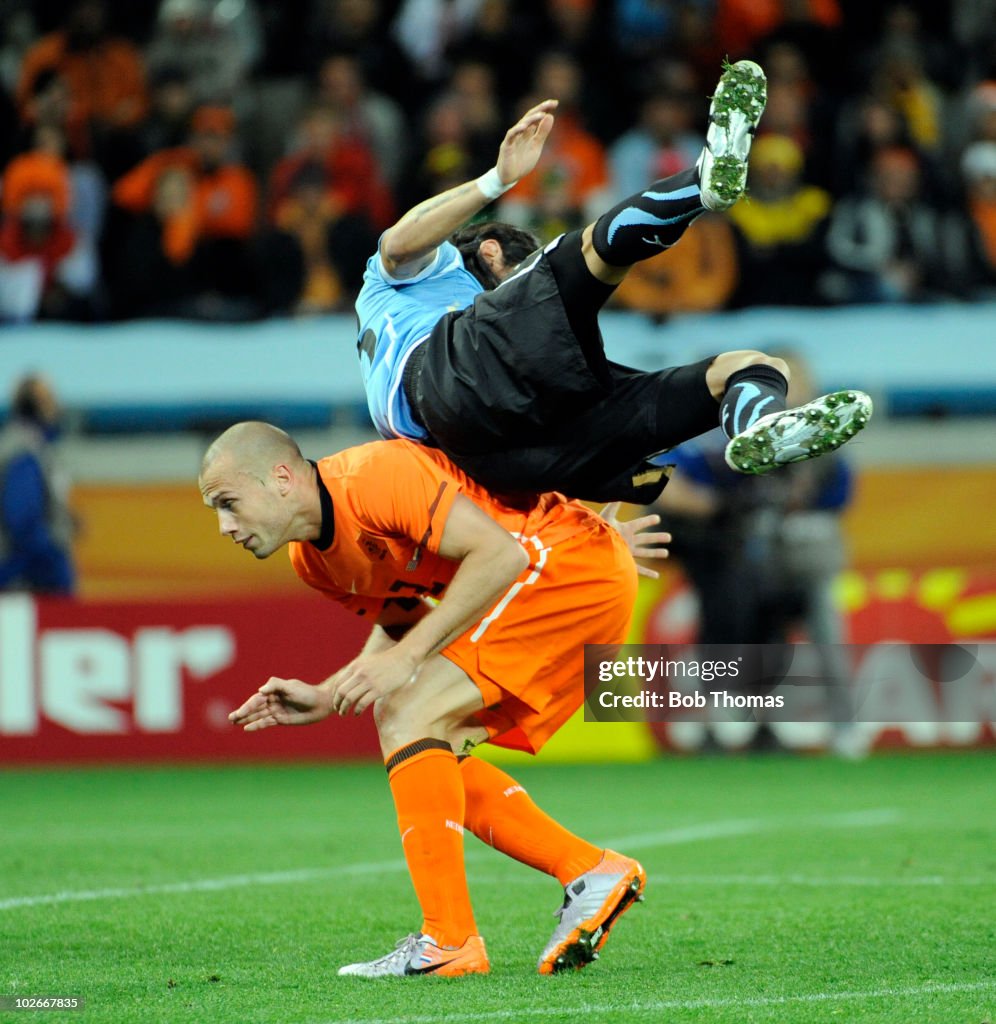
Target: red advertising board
[(134, 681)]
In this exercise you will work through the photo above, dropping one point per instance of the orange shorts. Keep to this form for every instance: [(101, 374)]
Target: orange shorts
[(527, 655)]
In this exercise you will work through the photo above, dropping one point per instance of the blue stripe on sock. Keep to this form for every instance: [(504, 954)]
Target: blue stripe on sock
[(688, 192), (632, 216)]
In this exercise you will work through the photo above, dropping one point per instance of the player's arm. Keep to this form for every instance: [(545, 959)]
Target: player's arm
[(490, 560), (295, 702), (411, 244)]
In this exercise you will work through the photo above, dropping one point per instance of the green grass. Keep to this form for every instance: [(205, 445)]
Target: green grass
[(781, 890)]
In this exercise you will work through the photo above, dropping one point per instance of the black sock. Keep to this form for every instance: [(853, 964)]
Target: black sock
[(751, 393), (649, 222)]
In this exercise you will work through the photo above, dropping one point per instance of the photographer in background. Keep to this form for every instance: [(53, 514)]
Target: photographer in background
[(36, 524)]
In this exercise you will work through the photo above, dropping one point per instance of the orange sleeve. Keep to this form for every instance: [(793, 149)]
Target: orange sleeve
[(125, 100), (401, 492), (236, 217), (135, 190), (45, 54)]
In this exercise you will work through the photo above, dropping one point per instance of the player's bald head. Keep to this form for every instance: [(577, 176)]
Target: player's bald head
[(252, 447)]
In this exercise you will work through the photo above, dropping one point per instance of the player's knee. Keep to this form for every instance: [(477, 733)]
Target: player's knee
[(401, 721)]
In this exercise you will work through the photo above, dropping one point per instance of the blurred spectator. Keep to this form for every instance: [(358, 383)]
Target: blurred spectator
[(452, 154), (866, 126), (360, 27), (973, 24), (36, 524), (171, 105), (900, 79), (886, 242), (572, 176), (352, 177), (43, 271), (970, 233), (103, 74), (661, 144), (160, 259), (581, 30), (214, 213), (781, 229), (49, 105), (741, 24), (799, 108), (213, 44), (369, 117), (225, 191), (698, 276), (503, 39), (17, 32), (473, 87), (332, 242), (425, 29)]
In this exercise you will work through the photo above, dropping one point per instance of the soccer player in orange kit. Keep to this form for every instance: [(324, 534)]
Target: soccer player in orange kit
[(496, 657)]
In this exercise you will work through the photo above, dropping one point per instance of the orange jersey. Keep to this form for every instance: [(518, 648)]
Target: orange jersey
[(389, 504)]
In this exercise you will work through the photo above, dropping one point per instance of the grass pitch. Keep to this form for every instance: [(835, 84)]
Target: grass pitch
[(780, 890)]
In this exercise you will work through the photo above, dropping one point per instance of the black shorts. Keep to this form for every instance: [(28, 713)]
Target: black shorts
[(524, 402)]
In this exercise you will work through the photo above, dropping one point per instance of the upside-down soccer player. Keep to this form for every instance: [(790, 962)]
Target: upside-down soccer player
[(490, 349), (499, 658)]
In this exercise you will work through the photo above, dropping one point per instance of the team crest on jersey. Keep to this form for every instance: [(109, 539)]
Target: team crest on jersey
[(374, 548)]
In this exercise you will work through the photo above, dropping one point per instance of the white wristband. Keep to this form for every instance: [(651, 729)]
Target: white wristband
[(492, 186)]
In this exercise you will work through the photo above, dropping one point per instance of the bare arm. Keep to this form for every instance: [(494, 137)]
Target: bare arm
[(490, 560), (411, 244)]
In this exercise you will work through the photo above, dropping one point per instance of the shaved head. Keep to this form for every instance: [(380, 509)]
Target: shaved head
[(253, 447), (261, 487)]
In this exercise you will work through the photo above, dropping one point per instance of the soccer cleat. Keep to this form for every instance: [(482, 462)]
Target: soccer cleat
[(736, 108), (419, 954), (593, 903), (793, 435)]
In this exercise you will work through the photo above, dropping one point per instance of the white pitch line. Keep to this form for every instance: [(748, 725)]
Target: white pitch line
[(667, 837), (751, 826), (202, 884), (597, 1012), (815, 882)]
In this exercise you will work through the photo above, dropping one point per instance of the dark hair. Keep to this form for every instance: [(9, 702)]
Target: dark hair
[(516, 244), (24, 404)]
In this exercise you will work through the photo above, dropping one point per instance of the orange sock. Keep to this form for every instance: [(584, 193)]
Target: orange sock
[(502, 814), (428, 795)]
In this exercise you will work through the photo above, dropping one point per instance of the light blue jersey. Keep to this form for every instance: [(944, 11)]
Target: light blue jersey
[(394, 316)]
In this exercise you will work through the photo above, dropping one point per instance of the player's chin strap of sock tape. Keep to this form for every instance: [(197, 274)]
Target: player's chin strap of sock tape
[(418, 747)]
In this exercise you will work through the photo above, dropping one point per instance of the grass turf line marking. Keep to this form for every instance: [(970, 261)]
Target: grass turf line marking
[(202, 884), (808, 881), (668, 837), (588, 1010), (752, 826)]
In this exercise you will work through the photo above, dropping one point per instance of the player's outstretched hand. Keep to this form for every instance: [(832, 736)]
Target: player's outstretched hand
[(523, 143), (282, 702), (641, 543)]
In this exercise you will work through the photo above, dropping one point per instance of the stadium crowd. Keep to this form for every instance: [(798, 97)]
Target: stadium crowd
[(235, 159)]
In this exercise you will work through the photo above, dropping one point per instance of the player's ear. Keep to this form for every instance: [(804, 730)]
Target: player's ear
[(491, 252), (284, 477)]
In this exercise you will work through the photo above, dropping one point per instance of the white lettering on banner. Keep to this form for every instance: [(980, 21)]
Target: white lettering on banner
[(83, 673), (80, 670), (18, 710), (160, 657)]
